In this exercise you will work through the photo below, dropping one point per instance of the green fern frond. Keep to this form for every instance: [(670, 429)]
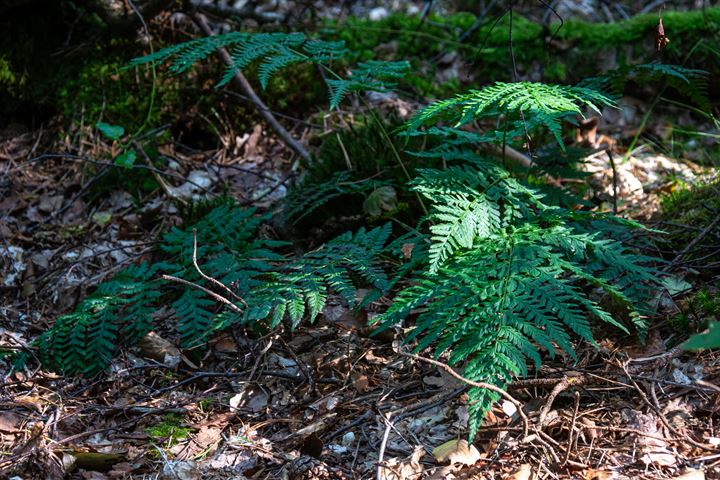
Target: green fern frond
[(323, 51), (85, 340), (537, 104), (307, 197), (692, 83), (459, 220), (373, 75), (185, 55), (301, 286), (194, 315), (274, 288), (276, 51), (494, 304)]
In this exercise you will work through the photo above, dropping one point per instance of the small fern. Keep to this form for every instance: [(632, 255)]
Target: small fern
[(273, 288), (276, 51), (373, 75), (121, 308), (690, 82), (493, 295), (509, 273), (534, 104)]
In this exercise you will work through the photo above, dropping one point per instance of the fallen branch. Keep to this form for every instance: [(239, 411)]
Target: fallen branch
[(247, 89), (473, 383), (217, 297), (208, 277)]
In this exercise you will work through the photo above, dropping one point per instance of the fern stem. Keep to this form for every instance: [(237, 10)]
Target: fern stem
[(153, 90), (209, 278), (263, 110), (396, 154), (504, 140)]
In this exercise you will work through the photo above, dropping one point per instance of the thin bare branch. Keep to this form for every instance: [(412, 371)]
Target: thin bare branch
[(247, 89), (486, 386)]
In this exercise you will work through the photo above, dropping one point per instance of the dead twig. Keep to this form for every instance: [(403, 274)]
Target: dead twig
[(614, 181), (347, 427), (572, 428), (259, 359), (486, 386), (662, 418), (544, 382), (217, 297), (167, 188), (301, 366), (209, 278), (383, 444), (561, 386), (694, 242)]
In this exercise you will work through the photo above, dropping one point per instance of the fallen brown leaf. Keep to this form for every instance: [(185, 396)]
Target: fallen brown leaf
[(157, 348), (456, 451), (9, 422), (523, 473), (410, 469), (692, 475), (592, 474)]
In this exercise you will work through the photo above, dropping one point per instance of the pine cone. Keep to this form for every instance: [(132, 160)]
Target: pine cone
[(309, 468)]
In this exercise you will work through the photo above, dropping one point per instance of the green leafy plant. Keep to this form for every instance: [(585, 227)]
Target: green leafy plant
[(706, 340), (267, 288), (127, 156), (693, 83), (534, 105), (705, 307), (170, 431), (276, 51), (508, 274), (497, 271)]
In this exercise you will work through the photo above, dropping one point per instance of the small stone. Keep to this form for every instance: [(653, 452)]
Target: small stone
[(378, 13)]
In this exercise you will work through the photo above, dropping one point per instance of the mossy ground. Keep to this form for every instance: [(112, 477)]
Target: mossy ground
[(564, 55), (690, 211), (168, 432), (697, 311)]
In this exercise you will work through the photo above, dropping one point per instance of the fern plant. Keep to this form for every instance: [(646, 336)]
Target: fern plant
[(121, 308), (531, 104), (501, 272), (276, 51), (692, 83), (509, 273), (269, 288)]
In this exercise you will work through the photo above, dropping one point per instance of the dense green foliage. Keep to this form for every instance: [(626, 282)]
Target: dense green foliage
[(277, 51), (508, 273), (268, 288), (692, 83), (498, 270), (579, 44), (703, 308)]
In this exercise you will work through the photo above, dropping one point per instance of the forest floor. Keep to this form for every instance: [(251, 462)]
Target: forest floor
[(327, 395)]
